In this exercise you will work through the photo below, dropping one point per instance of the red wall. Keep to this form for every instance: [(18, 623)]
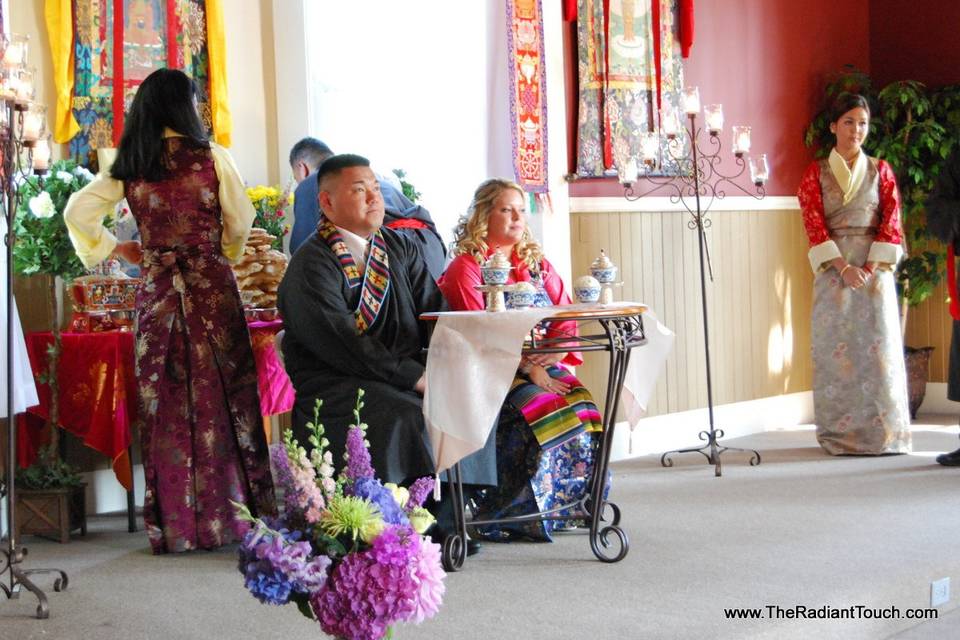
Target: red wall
[(767, 63), (916, 40)]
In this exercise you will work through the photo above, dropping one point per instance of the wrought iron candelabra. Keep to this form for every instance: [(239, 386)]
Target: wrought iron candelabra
[(699, 183), (22, 146)]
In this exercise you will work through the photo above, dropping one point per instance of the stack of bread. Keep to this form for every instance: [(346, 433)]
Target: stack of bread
[(260, 270)]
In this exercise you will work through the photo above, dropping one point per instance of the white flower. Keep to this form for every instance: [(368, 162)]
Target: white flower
[(83, 172), (42, 206), (66, 176)]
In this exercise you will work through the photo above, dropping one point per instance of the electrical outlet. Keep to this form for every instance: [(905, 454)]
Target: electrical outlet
[(939, 592)]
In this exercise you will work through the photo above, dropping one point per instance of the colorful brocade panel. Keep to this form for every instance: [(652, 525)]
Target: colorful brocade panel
[(117, 44), (618, 79)]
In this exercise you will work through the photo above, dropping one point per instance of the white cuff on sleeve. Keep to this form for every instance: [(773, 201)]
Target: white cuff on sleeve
[(823, 252), (885, 252)]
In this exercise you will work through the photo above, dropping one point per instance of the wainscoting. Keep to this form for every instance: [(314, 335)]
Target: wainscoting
[(759, 300)]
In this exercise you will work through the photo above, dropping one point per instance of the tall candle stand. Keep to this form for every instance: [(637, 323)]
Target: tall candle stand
[(17, 142), (699, 183)]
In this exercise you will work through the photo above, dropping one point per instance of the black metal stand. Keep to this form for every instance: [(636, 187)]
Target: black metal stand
[(703, 181), (11, 560), (608, 541)]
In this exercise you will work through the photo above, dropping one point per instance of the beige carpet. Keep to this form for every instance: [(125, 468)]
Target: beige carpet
[(801, 529)]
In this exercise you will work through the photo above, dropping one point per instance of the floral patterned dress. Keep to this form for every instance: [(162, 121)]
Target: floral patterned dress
[(202, 438), (859, 378)]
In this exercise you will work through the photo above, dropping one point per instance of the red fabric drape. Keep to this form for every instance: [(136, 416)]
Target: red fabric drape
[(952, 283), (569, 10), (117, 71), (657, 62), (686, 27)]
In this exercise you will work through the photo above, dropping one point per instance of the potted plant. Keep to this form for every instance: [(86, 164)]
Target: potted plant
[(43, 247), (50, 498), (914, 128)]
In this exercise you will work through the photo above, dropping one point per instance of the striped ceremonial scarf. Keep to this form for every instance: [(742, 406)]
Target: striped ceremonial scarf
[(376, 276), (553, 418)]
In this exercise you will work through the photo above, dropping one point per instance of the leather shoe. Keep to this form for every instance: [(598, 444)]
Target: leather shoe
[(951, 459)]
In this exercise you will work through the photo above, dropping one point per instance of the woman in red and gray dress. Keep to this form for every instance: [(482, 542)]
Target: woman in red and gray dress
[(851, 212), (202, 438)]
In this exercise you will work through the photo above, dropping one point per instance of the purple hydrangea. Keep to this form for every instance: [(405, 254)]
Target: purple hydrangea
[(275, 566)]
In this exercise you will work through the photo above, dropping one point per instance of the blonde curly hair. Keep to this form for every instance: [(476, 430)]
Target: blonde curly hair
[(471, 231)]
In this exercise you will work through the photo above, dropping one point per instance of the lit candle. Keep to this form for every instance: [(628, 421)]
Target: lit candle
[(32, 125), (741, 140), (691, 100), (669, 124), (714, 116), (759, 170), (41, 155), (649, 147)]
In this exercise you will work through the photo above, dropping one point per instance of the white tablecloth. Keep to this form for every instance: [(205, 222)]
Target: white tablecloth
[(473, 358)]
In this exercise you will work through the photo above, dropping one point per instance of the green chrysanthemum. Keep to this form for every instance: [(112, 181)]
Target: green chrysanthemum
[(353, 516)]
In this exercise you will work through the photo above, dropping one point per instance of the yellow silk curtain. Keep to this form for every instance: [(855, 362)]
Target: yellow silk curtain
[(59, 18)]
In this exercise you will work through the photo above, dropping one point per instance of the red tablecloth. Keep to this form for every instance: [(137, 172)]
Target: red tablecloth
[(98, 390), (98, 395)]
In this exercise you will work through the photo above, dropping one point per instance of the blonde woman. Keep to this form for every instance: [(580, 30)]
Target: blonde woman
[(545, 435)]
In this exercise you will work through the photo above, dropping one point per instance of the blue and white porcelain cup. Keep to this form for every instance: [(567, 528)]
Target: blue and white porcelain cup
[(586, 289), (494, 275)]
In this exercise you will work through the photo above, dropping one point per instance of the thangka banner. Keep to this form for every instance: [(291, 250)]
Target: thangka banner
[(117, 44), (623, 80), (528, 97)]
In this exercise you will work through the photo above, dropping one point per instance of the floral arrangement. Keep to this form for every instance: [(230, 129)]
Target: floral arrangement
[(349, 552), (270, 203), (43, 244)]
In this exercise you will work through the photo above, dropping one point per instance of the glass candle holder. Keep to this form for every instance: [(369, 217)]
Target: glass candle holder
[(741, 140), (34, 124), (691, 100), (713, 114), (649, 147), (41, 155), (759, 169), (628, 172), (669, 124), (24, 89), (15, 52)]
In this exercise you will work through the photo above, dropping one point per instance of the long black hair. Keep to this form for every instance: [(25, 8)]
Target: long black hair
[(164, 99)]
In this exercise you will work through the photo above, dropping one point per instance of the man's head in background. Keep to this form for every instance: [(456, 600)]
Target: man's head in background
[(306, 156)]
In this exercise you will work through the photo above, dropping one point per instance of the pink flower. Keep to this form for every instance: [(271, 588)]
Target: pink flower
[(429, 574)]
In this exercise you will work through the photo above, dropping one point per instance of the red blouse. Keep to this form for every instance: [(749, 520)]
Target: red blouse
[(458, 284), (814, 218)]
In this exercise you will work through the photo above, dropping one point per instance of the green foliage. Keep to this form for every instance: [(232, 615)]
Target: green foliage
[(914, 128), (48, 472), (408, 190), (43, 245)]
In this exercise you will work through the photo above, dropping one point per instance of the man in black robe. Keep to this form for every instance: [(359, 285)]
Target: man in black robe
[(348, 327), (943, 220)]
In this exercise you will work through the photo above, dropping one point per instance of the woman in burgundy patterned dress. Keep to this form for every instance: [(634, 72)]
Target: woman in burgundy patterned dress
[(202, 439)]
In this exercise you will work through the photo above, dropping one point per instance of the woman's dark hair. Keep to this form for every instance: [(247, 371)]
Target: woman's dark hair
[(164, 99), (845, 102)]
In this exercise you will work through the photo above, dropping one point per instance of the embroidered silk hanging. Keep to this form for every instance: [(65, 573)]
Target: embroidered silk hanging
[(528, 98), (619, 79), (118, 43)]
